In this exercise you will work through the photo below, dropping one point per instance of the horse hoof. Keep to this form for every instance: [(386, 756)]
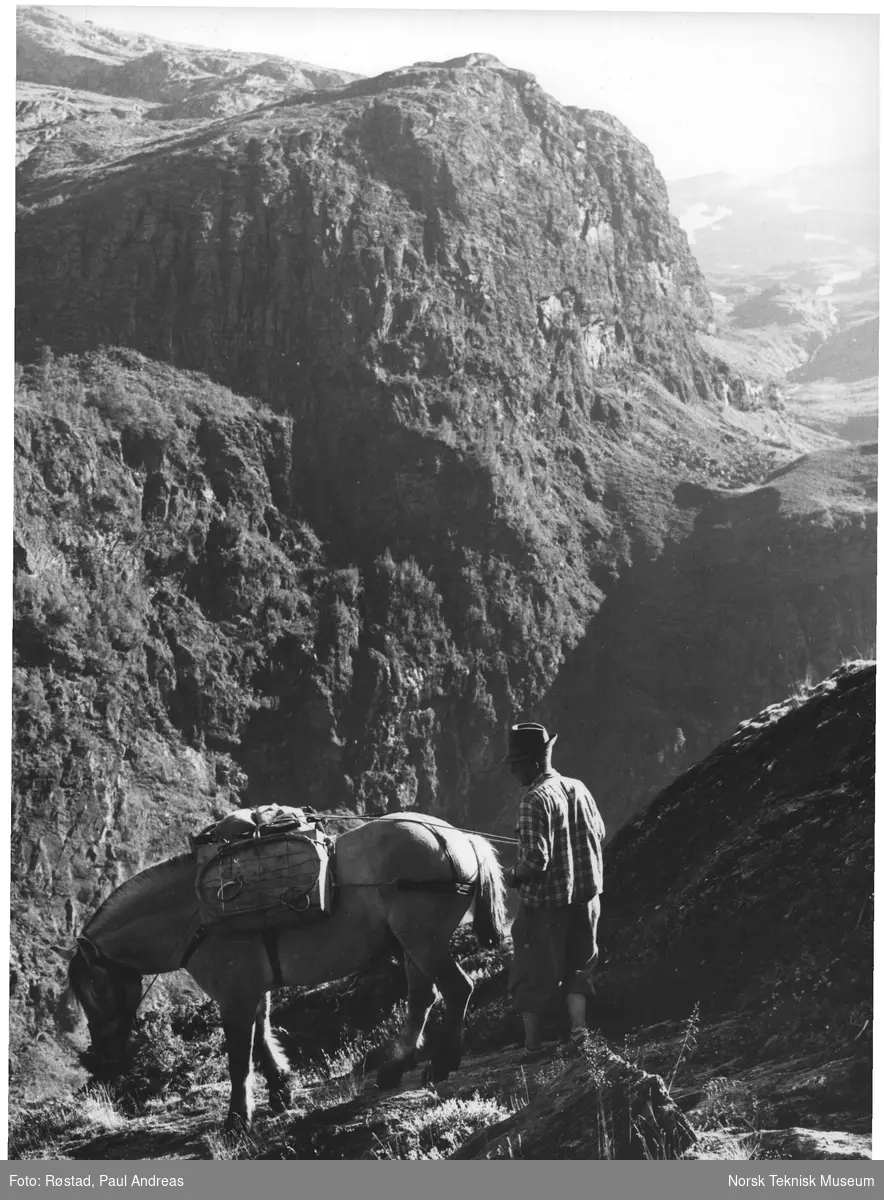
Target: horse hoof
[(236, 1123), (435, 1073), (280, 1099)]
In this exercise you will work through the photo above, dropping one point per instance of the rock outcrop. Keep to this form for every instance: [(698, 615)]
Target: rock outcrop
[(600, 1107), (381, 236)]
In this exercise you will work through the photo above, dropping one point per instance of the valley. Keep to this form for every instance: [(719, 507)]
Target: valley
[(792, 266)]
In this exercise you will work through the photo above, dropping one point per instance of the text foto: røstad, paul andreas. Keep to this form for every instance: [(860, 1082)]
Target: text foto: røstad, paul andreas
[(80, 1181)]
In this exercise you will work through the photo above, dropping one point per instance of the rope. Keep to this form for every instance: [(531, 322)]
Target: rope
[(490, 837)]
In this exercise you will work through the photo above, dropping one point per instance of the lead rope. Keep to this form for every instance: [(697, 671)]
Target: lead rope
[(490, 837)]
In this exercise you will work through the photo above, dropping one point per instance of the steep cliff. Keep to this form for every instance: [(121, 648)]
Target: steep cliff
[(436, 225)]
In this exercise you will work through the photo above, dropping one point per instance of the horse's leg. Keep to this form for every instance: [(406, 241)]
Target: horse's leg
[(421, 998), (270, 1057), (239, 1032), (456, 988), (424, 933)]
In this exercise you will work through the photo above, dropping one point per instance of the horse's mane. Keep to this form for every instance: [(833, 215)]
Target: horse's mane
[(134, 886)]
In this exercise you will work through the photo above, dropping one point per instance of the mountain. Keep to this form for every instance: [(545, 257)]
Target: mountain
[(350, 429)]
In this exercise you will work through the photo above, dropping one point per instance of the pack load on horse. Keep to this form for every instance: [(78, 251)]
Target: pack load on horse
[(263, 867), (402, 882)]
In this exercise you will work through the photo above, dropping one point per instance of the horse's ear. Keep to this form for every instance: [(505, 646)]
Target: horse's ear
[(66, 953), (88, 949)]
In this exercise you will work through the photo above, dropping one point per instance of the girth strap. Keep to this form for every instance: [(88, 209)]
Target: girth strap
[(270, 938), (196, 941), (448, 886)]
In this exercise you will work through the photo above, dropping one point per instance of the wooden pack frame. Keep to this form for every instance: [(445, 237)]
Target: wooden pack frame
[(276, 878)]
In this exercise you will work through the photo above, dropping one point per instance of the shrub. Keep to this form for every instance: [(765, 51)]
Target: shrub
[(173, 1050)]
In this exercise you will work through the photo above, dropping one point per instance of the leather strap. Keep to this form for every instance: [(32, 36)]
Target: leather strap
[(270, 938)]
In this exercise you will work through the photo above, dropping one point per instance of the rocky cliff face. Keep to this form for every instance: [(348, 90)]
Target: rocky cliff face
[(443, 224), (470, 472)]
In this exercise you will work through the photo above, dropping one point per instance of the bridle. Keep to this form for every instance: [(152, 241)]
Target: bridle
[(119, 974)]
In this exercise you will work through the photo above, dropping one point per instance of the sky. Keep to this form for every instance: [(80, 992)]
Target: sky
[(747, 93)]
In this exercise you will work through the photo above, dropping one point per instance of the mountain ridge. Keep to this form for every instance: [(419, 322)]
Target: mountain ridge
[(55, 50)]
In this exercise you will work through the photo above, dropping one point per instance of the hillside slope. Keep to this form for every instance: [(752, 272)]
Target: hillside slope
[(736, 967), (748, 881), (86, 94), (182, 80)]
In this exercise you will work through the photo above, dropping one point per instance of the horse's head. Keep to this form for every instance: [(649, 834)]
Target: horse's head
[(109, 994)]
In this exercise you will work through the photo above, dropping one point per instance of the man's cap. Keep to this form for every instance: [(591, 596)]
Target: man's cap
[(528, 741)]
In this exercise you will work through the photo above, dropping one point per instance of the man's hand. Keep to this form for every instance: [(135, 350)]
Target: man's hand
[(513, 880)]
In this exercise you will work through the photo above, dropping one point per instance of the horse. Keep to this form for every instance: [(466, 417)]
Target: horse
[(403, 882)]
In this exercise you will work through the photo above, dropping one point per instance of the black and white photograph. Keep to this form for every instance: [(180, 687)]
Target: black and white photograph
[(443, 669)]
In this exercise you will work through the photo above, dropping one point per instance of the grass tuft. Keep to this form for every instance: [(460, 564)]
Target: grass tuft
[(438, 1132), (689, 1042)]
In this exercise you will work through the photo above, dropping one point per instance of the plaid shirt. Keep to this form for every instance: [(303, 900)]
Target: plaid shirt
[(560, 834)]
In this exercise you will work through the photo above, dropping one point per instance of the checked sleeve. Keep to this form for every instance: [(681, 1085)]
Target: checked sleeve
[(534, 832)]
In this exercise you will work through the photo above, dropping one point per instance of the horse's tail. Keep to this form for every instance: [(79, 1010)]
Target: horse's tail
[(489, 908)]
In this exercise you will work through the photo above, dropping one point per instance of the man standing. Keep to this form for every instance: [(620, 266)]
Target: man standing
[(559, 877)]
